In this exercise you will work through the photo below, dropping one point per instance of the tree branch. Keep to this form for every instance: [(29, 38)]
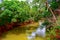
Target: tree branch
[(54, 18)]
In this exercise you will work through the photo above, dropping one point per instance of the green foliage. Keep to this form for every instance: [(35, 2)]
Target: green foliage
[(21, 11), (14, 10), (46, 14), (6, 16), (58, 27), (38, 16), (38, 4), (54, 5), (46, 23)]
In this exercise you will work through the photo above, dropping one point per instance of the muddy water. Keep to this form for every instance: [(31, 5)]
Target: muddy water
[(19, 37), (22, 36)]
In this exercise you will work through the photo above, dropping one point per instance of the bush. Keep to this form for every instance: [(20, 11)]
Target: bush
[(13, 11)]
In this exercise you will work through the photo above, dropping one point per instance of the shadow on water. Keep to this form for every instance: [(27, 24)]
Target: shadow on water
[(16, 31)]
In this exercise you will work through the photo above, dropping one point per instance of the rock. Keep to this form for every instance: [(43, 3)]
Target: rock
[(41, 32)]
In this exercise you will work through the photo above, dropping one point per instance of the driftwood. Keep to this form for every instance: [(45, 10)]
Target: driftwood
[(53, 17)]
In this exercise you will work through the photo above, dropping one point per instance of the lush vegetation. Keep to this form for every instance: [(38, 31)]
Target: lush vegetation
[(14, 12), (21, 11)]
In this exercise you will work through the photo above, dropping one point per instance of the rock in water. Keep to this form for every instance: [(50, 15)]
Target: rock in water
[(33, 34), (41, 32)]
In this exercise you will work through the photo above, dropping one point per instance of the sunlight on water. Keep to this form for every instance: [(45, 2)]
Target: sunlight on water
[(29, 35)]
